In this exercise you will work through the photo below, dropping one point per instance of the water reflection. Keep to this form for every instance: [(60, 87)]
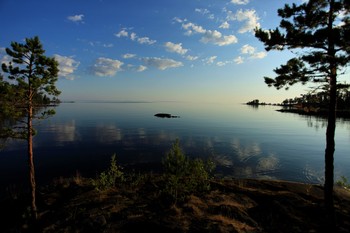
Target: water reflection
[(321, 122), (64, 132), (312, 175), (244, 158), (316, 122), (108, 133), (246, 151), (243, 141), (267, 165)]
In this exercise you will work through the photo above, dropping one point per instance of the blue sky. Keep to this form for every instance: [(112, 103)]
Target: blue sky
[(155, 50)]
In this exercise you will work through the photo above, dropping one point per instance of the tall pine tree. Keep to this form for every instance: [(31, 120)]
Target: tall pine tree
[(30, 75), (321, 30)]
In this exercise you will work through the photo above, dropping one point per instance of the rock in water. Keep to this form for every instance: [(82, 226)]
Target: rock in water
[(165, 115)]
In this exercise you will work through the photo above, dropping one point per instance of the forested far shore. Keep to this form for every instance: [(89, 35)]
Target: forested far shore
[(313, 103)]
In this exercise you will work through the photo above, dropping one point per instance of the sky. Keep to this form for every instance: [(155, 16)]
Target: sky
[(154, 50)]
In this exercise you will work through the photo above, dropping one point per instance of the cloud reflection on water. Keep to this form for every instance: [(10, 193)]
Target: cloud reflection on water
[(245, 151), (64, 132), (244, 142), (108, 133)]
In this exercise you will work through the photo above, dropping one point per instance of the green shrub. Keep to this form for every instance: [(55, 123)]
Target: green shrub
[(135, 180), (108, 178), (183, 176), (343, 182)]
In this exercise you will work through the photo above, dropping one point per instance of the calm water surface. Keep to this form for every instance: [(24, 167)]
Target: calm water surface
[(244, 141)]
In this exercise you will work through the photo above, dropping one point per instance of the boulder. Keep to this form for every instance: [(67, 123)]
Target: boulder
[(165, 115)]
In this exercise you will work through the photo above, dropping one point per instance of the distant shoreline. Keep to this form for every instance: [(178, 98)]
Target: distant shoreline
[(307, 111), (316, 112)]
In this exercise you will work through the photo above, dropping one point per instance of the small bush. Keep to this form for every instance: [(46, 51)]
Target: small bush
[(183, 176), (108, 178), (135, 180), (343, 182)]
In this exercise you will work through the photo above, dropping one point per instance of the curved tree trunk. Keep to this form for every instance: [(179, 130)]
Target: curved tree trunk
[(31, 162)]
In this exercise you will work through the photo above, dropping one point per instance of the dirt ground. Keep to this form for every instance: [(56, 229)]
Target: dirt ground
[(231, 206)]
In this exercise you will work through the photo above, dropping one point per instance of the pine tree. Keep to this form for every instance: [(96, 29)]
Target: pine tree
[(30, 74), (320, 31)]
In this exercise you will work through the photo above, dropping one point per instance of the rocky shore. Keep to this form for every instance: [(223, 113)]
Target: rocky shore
[(245, 205)]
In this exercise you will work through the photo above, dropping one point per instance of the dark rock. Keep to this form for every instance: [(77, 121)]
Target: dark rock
[(100, 220), (165, 115)]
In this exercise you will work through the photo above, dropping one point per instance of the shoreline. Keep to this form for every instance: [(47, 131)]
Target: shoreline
[(231, 205), (321, 113), (307, 111)]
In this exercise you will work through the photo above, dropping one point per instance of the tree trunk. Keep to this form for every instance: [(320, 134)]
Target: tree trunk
[(330, 143), (31, 162), (329, 152)]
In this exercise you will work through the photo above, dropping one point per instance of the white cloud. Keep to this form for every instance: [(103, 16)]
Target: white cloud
[(191, 58), (202, 11), (222, 63), (107, 45), (122, 33), (66, 66), (76, 18), (209, 36), (247, 49), (175, 48), (240, 2), (106, 67), (210, 60), (98, 43), (141, 68), (134, 37), (238, 60), (217, 38), (178, 20), (259, 55), (225, 25), (205, 12), (161, 63), (193, 29), (146, 40), (4, 58), (129, 55), (250, 18)]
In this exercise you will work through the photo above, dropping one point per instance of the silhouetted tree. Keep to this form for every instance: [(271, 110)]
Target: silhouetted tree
[(30, 76), (254, 102), (320, 28)]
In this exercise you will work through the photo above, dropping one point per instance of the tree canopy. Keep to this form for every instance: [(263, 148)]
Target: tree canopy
[(318, 28)]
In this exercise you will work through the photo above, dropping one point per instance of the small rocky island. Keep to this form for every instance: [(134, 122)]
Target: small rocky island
[(165, 115)]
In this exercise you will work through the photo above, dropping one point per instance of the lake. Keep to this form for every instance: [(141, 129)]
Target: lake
[(244, 141)]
